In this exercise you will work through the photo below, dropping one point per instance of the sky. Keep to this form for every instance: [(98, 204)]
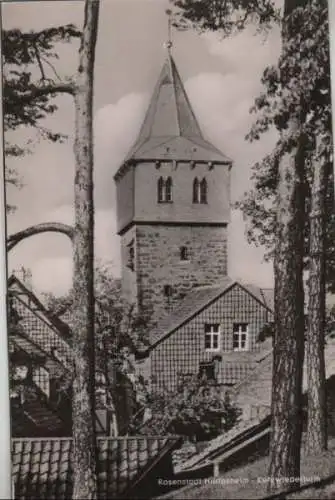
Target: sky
[(222, 79)]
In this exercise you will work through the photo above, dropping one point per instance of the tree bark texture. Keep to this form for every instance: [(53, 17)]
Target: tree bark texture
[(288, 350), (316, 441), (85, 478)]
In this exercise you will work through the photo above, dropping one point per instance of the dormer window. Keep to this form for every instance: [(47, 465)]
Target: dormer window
[(164, 190), (207, 371), (199, 191)]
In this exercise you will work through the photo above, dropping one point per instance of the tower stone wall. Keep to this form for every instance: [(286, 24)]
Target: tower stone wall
[(177, 240), (163, 278)]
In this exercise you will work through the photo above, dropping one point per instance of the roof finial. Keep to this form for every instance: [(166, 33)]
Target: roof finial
[(168, 44)]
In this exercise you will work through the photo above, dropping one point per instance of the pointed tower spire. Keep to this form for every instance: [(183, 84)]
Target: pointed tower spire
[(170, 125)]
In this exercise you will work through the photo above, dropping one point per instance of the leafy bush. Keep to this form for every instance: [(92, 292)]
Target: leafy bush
[(197, 410)]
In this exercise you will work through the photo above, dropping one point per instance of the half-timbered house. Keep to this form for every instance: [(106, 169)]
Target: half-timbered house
[(41, 357)]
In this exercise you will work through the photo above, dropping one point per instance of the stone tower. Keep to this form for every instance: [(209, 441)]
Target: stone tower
[(173, 203)]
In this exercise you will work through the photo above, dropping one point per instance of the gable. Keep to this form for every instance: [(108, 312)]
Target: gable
[(15, 287), (35, 323), (182, 350), (198, 300)]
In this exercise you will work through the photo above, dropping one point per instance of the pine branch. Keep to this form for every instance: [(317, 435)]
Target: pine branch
[(52, 67), (40, 65), (46, 89)]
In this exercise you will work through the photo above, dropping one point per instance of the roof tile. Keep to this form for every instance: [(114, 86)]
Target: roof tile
[(122, 463)]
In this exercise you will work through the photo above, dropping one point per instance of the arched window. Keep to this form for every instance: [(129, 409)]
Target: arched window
[(160, 190), (203, 191), (168, 189), (196, 190), (164, 190)]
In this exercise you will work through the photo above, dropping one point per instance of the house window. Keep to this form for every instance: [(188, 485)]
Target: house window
[(212, 337), (240, 337), (42, 379), (131, 255), (184, 253), (207, 371), (199, 191), (167, 290), (164, 190)]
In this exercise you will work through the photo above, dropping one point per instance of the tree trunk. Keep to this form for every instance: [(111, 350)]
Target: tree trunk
[(288, 350), (85, 479), (316, 376)]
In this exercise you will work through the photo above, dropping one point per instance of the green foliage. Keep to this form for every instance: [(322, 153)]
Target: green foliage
[(30, 75), (113, 314), (197, 410), (330, 322), (119, 333), (298, 86), (30, 84), (226, 16)]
